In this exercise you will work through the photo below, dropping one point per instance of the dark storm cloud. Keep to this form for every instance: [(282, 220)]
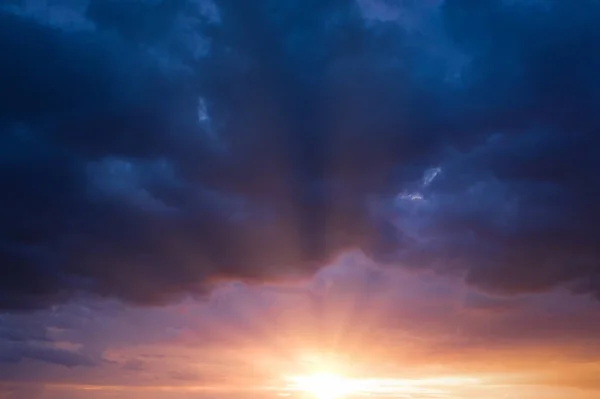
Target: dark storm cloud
[(149, 147)]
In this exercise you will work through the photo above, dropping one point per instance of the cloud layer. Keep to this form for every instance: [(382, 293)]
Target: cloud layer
[(368, 321), (150, 148)]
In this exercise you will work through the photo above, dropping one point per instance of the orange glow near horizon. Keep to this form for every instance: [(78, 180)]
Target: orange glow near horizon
[(299, 347), (323, 385), (333, 386), (326, 378)]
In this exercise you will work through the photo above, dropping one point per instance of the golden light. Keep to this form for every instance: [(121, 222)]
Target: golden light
[(322, 385), (327, 385), (327, 377)]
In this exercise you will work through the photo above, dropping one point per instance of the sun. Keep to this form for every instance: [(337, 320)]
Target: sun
[(322, 385)]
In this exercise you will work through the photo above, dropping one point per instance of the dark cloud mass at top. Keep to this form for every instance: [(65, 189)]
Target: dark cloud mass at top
[(150, 147)]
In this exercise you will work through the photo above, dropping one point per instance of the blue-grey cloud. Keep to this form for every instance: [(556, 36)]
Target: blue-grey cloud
[(149, 148), (16, 353)]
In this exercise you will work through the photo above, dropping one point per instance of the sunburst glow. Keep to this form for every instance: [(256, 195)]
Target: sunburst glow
[(322, 385), (328, 385)]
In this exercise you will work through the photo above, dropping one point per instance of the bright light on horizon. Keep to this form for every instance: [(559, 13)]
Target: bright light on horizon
[(328, 385), (323, 385)]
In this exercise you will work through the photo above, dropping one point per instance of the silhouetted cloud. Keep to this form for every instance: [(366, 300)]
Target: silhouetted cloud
[(149, 148)]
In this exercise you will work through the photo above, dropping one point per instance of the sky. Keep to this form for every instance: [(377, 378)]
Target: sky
[(218, 198)]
